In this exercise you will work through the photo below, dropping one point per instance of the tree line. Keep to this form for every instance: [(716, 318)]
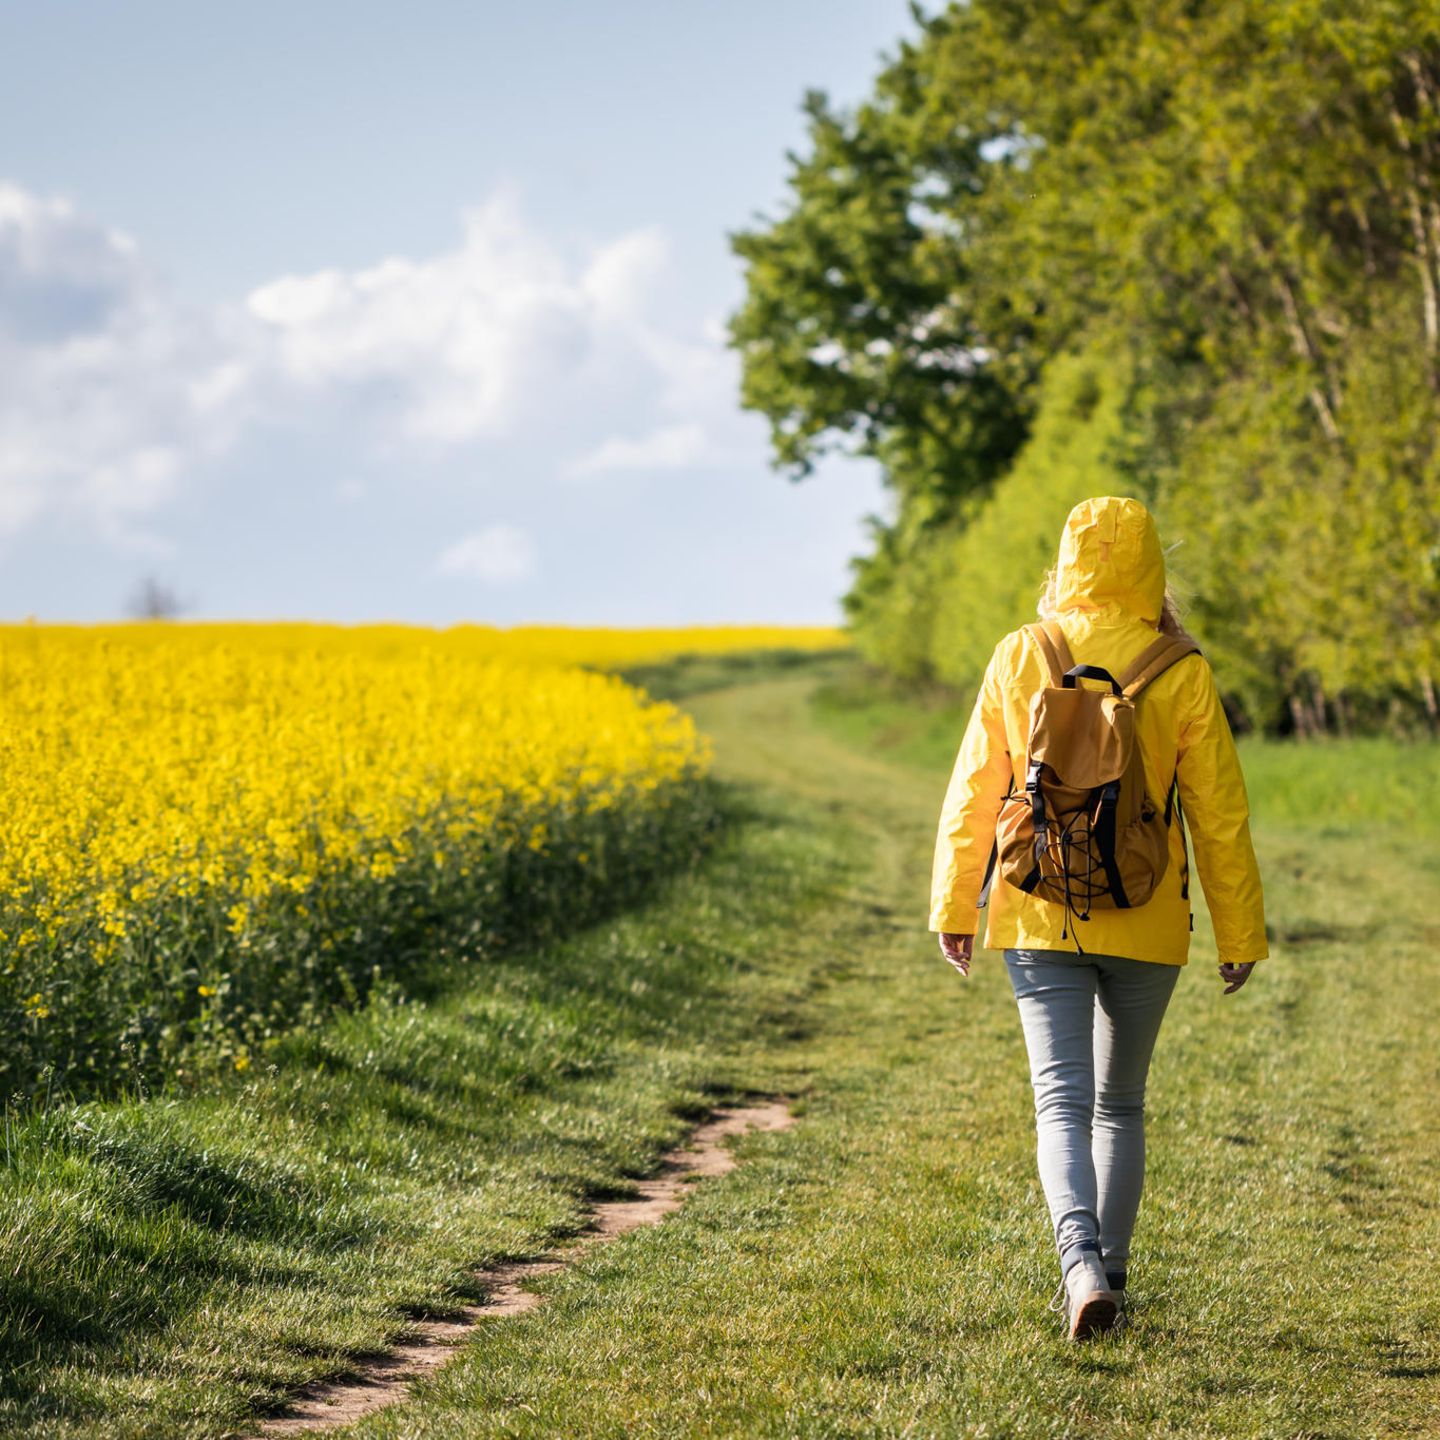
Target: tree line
[(1187, 251)]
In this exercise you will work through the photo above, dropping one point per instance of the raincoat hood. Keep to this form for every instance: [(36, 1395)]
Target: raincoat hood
[(1110, 558)]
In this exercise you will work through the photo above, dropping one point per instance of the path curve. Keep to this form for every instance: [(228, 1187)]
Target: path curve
[(386, 1379)]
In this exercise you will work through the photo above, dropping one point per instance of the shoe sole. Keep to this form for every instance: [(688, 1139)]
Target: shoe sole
[(1094, 1316)]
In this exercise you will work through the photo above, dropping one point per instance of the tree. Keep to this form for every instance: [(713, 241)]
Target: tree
[(152, 599), (1247, 193)]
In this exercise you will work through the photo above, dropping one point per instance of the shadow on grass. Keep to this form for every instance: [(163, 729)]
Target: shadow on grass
[(120, 1219)]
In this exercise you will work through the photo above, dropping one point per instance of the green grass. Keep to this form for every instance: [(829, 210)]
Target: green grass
[(883, 1268), (871, 710), (683, 676), (171, 1265), (1350, 785)]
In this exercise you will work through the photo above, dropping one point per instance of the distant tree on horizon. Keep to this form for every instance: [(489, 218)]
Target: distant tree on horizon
[(152, 599)]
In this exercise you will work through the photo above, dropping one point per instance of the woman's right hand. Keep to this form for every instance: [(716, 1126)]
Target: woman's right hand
[(1235, 976)]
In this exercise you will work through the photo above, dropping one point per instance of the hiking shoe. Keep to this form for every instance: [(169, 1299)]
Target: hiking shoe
[(1085, 1299)]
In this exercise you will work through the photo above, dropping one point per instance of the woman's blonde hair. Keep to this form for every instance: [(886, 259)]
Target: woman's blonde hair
[(1171, 607)]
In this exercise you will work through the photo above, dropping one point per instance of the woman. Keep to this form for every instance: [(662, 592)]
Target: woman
[(1090, 1019)]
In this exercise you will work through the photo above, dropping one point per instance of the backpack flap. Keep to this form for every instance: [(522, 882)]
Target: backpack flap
[(1083, 736)]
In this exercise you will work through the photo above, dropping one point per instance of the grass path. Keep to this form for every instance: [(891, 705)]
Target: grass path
[(174, 1265), (171, 1266), (883, 1268), (388, 1380)]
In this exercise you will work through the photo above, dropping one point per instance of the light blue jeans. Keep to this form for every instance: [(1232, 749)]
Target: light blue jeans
[(1090, 1024)]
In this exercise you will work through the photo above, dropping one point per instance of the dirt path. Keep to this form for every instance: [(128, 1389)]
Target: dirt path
[(386, 1379)]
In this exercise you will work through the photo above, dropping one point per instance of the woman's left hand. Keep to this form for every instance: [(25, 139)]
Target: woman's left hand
[(957, 949)]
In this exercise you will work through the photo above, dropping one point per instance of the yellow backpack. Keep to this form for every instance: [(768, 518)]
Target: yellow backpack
[(1083, 833)]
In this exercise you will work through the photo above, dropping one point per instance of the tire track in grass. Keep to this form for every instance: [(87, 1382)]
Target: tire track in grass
[(385, 1379)]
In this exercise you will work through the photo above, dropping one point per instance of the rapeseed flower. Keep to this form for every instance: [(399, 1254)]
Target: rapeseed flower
[(278, 805)]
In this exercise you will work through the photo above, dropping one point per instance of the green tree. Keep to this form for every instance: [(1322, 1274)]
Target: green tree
[(1089, 438), (1248, 191)]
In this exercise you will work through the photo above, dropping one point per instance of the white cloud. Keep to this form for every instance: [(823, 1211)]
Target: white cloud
[(107, 385), (114, 395), (672, 447), (508, 336), (65, 275), (496, 555), (620, 280), (464, 343)]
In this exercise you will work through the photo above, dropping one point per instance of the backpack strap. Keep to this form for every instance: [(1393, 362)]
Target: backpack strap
[(1051, 640), (984, 899), (1172, 807), (1154, 661)]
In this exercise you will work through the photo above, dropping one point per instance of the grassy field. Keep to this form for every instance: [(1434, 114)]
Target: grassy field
[(881, 1269)]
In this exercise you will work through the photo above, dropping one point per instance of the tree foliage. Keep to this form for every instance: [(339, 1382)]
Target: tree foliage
[(1220, 219), (1087, 437)]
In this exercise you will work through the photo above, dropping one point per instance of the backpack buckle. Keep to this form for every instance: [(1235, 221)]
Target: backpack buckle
[(1037, 806)]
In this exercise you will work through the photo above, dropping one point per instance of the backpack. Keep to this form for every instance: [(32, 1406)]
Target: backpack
[(1083, 833)]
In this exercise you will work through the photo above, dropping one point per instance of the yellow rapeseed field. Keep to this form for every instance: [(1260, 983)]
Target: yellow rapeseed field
[(595, 648), (210, 832)]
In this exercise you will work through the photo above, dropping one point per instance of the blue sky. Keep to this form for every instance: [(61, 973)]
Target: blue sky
[(361, 311)]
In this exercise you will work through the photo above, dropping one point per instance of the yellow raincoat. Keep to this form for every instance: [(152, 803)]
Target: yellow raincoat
[(1110, 588)]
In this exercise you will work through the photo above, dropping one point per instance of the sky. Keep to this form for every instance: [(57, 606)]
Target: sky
[(358, 311)]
